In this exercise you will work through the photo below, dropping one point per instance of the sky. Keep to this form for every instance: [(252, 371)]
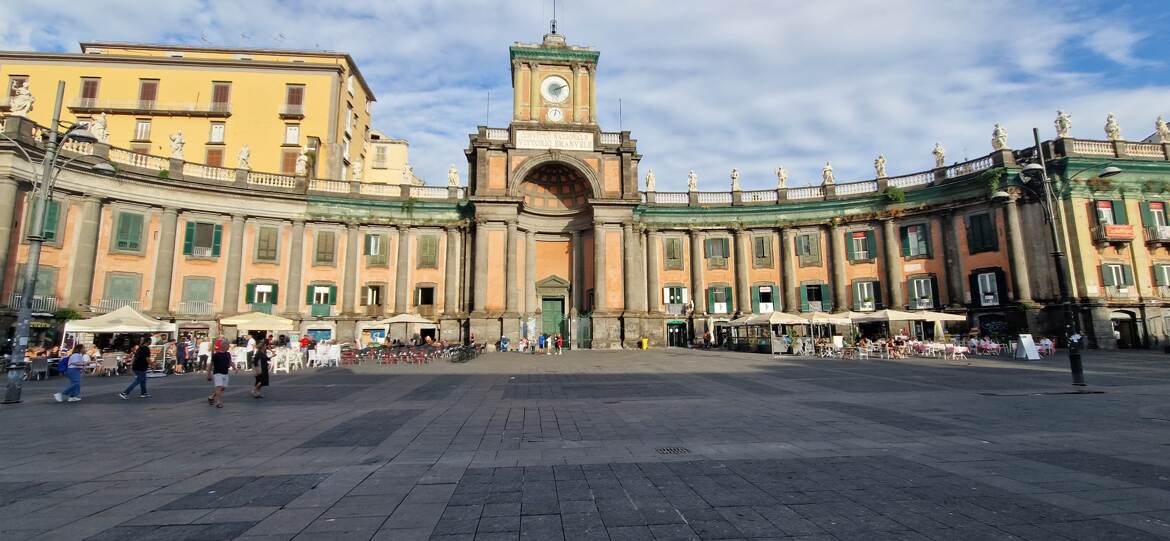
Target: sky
[(704, 86)]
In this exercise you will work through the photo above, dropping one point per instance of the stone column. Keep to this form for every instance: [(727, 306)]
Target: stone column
[(743, 262), (698, 293), (578, 269), (164, 265), (599, 301), (451, 277), (349, 289), (231, 279), (81, 287), (788, 263), (517, 68), (481, 262), (954, 264), (593, 94), (629, 249), (840, 282), (893, 262), (654, 287), (8, 191), (530, 302), (1018, 252), (510, 289), (576, 95), (296, 258), (534, 96), (401, 285)]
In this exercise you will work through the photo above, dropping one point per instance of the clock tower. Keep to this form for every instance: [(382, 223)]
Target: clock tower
[(553, 82)]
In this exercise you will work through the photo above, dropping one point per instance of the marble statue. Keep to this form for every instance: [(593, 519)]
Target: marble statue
[(22, 101), (940, 155), (244, 158), (408, 174), (999, 137), (1063, 123), (1112, 129), (453, 177), (692, 181), (1161, 130), (879, 165), (650, 180), (100, 128), (177, 143), (358, 169), (302, 167), (735, 180), (827, 174), (781, 178)]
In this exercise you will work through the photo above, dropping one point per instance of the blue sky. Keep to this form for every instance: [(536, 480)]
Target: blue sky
[(705, 85)]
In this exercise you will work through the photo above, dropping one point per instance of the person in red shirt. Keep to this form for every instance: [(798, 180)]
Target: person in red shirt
[(560, 341)]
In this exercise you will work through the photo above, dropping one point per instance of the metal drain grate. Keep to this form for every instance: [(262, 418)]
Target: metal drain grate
[(672, 450)]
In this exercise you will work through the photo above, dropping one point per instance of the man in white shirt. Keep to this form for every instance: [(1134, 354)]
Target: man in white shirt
[(204, 352), (250, 349)]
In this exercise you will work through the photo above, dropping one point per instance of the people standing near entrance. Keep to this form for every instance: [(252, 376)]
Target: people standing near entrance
[(560, 343), (76, 360), (540, 344), (217, 372), (139, 366), (204, 352), (260, 368)]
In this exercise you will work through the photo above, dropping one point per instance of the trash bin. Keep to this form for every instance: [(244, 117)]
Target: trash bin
[(645, 343)]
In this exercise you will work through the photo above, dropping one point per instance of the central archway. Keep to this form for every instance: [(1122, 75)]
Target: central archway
[(555, 187)]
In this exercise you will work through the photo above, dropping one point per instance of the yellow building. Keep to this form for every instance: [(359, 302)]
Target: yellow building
[(389, 161), (276, 102)]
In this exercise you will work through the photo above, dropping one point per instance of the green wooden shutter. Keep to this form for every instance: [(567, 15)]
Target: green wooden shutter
[(216, 240), (755, 299), (730, 300), (366, 245), (926, 239), (1106, 276), (707, 248), (1119, 215), (309, 295), (934, 293), (1147, 216), (871, 244), (992, 233), (1127, 274), (135, 232), (710, 300), (803, 298), (850, 252), (969, 225), (189, 239), (250, 294), (905, 233), (332, 295), (52, 220), (275, 289), (1160, 275), (877, 296), (814, 247), (826, 300), (856, 286)]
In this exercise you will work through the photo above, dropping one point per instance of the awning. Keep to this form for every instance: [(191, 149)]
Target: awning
[(406, 318), (122, 320), (752, 319), (258, 321), (926, 315), (784, 318), (885, 315), (824, 318)]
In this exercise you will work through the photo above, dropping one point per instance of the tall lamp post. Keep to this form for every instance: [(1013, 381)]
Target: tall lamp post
[(35, 232), (1039, 172)]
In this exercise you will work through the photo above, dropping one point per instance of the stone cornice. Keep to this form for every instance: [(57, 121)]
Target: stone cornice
[(553, 54)]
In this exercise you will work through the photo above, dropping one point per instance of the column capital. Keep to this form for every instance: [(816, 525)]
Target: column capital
[(238, 218), (403, 228), (300, 223), (170, 210), (650, 230)]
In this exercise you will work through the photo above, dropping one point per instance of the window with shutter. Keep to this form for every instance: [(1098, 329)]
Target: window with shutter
[(294, 99), (1104, 212), (122, 286), (220, 96), (292, 134), (288, 161), (864, 298), (128, 232), (51, 231), (808, 249), (266, 244), (673, 252), (202, 239), (89, 91), (325, 254), (1119, 214), (717, 253), (762, 251), (988, 292), (198, 289), (214, 157), (981, 233), (147, 93), (921, 293), (216, 134), (1162, 278), (375, 249), (142, 132), (767, 299), (428, 252)]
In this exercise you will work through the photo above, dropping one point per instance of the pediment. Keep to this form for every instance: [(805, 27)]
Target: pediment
[(553, 282)]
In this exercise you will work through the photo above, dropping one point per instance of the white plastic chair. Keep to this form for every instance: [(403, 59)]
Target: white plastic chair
[(240, 358), (294, 359), (280, 364), (314, 359)]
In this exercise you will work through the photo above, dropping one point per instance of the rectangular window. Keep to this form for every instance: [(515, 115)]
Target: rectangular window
[(1105, 212), (767, 302), (263, 294), (288, 161), (674, 295), (673, 249), (349, 84), (266, 244), (1157, 214), (916, 241), (425, 296), (864, 296), (294, 98), (720, 300), (372, 296), (128, 235), (858, 247), (815, 298), (921, 293), (292, 134), (147, 93), (808, 249), (717, 252), (52, 230), (321, 294), (214, 157), (89, 91), (326, 248), (202, 239), (15, 81), (345, 149), (198, 289), (981, 234), (1118, 277), (988, 289), (374, 248), (1162, 278), (46, 285), (380, 152), (142, 130), (221, 93), (122, 286), (217, 132), (762, 251), (348, 119), (428, 252)]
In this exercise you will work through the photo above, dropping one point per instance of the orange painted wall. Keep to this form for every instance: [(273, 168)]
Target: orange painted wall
[(587, 250), (51, 255), (936, 264), (613, 177), (553, 258), (614, 270), (497, 240), (971, 261), (497, 173), (428, 275), (193, 266)]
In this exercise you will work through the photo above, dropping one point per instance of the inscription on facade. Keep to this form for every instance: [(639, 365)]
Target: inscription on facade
[(561, 140)]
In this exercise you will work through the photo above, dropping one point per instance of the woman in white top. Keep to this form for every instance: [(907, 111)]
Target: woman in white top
[(204, 352), (77, 361)]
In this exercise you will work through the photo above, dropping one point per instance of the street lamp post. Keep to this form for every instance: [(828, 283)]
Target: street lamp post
[(35, 238), (1059, 258)]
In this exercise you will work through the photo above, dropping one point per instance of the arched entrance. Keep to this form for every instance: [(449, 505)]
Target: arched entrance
[(1125, 329), (554, 187)]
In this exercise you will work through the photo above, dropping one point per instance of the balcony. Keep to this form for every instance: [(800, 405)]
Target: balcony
[(925, 303), (290, 111), (46, 304), (374, 310), (262, 307), (95, 106), (426, 310), (1112, 233), (676, 309), (195, 308), (321, 310), (109, 305), (1158, 234)]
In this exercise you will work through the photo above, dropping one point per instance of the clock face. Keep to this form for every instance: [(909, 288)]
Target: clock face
[(555, 115), (555, 89)]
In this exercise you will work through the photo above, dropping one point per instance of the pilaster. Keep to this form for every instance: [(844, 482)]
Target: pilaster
[(164, 265), (231, 280)]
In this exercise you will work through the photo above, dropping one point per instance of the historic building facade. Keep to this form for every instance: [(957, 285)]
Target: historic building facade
[(552, 232)]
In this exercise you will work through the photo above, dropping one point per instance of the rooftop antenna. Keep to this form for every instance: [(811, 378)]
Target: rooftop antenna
[(553, 22), (487, 116), (619, 114)]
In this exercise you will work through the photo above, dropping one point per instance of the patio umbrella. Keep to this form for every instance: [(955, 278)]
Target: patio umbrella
[(784, 318), (886, 316), (405, 319), (825, 318)]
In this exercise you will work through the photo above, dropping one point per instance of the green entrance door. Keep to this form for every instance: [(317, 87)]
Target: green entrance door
[(676, 334), (552, 317)]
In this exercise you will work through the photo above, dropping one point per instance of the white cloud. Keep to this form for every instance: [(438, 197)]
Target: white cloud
[(704, 85)]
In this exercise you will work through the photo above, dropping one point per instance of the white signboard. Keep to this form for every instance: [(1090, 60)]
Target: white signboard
[(563, 140), (1027, 348)]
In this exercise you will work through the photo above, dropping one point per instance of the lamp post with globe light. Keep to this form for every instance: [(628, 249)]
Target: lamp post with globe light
[(50, 169), (1038, 172)]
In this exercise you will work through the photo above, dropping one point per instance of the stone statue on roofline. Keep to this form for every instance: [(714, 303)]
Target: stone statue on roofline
[(692, 181), (1112, 128), (827, 176), (1161, 130), (1063, 123), (100, 128), (244, 158), (177, 144), (650, 181), (453, 177), (358, 168), (781, 178), (302, 166), (879, 166), (940, 155), (22, 100), (735, 180), (999, 137)]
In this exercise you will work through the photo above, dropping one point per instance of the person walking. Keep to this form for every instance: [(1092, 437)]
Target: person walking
[(139, 366), (181, 355), (77, 360), (250, 349), (204, 352), (260, 368), (217, 372), (560, 344)]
